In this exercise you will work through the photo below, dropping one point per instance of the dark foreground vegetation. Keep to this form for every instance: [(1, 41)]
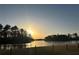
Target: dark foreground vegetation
[(13, 35), (63, 37)]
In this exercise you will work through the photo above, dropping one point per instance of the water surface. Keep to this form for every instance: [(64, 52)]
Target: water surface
[(44, 43)]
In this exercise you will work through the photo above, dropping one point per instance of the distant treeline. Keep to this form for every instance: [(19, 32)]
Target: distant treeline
[(13, 35), (63, 37)]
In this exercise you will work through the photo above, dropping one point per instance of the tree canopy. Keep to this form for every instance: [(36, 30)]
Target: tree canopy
[(13, 35), (63, 37)]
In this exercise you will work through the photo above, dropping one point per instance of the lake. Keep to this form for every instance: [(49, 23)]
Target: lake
[(39, 43), (44, 43)]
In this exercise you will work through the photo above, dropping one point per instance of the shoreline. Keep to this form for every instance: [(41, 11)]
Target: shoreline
[(47, 50)]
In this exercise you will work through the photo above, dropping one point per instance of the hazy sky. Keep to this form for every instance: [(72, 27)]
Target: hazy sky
[(44, 19)]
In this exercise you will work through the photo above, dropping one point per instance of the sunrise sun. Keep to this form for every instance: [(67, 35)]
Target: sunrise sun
[(29, 31)]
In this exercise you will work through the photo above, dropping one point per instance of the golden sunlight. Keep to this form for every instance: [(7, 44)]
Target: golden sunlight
[(29, 31), (35, 33), (33, 30)]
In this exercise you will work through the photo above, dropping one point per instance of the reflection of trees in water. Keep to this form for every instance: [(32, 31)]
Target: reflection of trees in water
[(12, 46)]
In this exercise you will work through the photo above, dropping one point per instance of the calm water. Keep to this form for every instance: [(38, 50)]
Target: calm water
[(35, 44), (44, 43)]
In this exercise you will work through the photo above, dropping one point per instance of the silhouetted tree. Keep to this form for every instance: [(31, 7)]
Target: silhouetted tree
[(5, 31), (75, 35), (22, 32), (1, 27), (14, 31), (12, 35), (62, 37)]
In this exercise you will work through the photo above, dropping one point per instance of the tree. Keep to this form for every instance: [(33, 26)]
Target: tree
[(12, 35), (5, 31), (75, 35), (22, 31), (14, 28), (69, 36), (1, 27), (7, 27), (14, 31)]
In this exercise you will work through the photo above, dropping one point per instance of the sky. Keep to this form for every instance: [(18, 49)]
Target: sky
[(43, 19)]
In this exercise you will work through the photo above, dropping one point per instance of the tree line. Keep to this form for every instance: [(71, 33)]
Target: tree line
[(63, 37), (13, 35)]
